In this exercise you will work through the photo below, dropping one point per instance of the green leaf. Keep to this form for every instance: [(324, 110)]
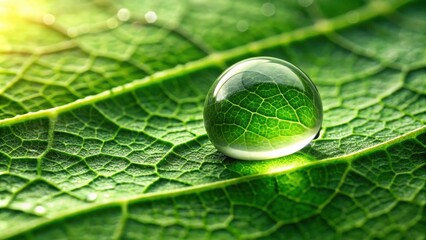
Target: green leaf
[(102, 136)]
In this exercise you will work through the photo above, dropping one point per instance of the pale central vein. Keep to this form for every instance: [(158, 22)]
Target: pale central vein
[(372, 10)]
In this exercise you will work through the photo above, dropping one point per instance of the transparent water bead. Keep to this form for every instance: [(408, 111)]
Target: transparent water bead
[(91, 197), (262, 108), (40, 210)]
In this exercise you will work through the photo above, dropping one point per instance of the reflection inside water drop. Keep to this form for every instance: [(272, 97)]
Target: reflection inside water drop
[(262, 108)]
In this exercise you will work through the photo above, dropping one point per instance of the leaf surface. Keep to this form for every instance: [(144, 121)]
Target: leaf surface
[(102, 136)]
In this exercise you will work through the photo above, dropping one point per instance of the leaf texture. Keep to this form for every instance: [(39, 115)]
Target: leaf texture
[(102, 136)]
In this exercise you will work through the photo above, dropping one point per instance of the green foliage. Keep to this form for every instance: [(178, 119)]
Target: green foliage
[(101, 127)]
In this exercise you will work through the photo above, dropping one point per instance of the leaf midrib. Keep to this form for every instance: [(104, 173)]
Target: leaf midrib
[(371, 10), (124, 202)]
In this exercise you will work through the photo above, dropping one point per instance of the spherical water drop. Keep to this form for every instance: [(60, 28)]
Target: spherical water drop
[(40, 210), (123, 14), (151, 17), (305, 3), (268, 9), (262, 108), (49, 19), (112, 23), (91, 197), (242, 26)]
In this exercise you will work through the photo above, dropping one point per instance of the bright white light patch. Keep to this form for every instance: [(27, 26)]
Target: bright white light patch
[(123, 14), (91, 197), (40, 210), (151, 17)]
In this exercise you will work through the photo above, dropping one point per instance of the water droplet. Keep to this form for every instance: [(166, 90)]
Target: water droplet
[(123, 14), (40, 210), (49, 19), (112, 23), (72, 32), (242, 26), (268, 9), (262, 108), (305, 3), (151, 17), (91, 197)]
